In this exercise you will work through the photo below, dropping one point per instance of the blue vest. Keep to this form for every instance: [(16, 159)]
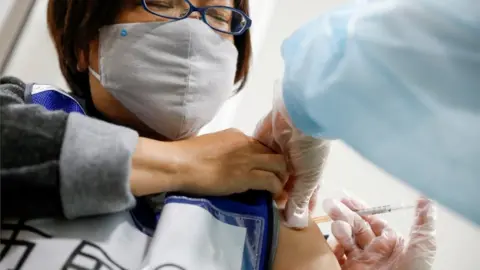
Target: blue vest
[(252, 210)]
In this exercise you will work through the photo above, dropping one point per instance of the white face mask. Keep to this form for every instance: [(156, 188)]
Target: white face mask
[(173, 76)]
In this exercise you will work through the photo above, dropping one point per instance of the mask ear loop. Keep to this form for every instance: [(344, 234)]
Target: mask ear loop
[(95, 74)]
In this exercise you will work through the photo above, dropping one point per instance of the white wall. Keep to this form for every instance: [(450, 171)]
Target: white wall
[(12, 17), (261, 13), (35, 60), (5, 6), (346, 170)]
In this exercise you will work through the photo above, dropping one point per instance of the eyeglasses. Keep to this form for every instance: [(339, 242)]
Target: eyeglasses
[(220, 18)]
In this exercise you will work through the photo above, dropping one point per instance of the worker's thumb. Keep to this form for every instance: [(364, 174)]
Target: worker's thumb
[(422, 246)]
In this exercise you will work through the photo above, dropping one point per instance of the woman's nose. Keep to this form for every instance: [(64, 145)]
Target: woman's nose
[(195, 15)]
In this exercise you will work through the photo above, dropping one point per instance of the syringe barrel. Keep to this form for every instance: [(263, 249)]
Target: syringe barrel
[(375, 210)]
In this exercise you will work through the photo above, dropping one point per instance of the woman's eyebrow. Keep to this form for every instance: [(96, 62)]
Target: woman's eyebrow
[(228, 3)]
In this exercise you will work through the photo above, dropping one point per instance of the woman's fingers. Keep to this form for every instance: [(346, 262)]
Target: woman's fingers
[(362, 231), (263, 180), (270, 172), (271, 163), (281, 200)]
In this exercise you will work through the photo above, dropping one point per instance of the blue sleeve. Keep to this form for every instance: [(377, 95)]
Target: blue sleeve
[(398, 81), (340, 64), (311, 55)]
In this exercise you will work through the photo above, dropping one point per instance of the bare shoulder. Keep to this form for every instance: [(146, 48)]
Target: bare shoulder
[(303, 250)]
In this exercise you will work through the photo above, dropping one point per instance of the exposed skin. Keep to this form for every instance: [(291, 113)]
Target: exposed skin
[(306, 249)]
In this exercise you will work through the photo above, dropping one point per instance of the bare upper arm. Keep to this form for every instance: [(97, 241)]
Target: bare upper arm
[(303, 250)]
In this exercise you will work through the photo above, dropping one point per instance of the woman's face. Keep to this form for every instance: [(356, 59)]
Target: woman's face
[(133, 12)]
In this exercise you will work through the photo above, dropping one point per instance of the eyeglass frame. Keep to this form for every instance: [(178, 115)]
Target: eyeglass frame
[(202, 11)]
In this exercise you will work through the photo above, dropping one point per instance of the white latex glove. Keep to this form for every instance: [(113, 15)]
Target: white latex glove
[(304, 154), (368, 243)]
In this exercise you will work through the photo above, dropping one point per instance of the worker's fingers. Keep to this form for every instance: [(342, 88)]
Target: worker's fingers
[(342, 231), (422, 234), (296, 213), (388, 247), (302, 192), (422, 247), (361, 229), (281, 200), (339, 252), (342, 260), (377, 224), (264, 180), (313, 200), (336, 248), (425, 214)]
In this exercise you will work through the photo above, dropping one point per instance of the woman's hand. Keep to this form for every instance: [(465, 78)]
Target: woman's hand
[(368, 243), (221, 163)]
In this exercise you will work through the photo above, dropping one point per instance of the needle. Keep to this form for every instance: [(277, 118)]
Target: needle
[(368, 211)]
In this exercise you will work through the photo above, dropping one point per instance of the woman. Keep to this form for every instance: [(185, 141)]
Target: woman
[(135, 141)]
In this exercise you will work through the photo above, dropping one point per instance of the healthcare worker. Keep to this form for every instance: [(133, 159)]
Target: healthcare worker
[(398, 80), (145, 76)]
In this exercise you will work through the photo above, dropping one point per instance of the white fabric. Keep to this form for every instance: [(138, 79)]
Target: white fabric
[(204, 242), (194, 239), (111, 241)]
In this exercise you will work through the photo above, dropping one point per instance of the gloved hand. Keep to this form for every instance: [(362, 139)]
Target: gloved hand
[(368, 243), (304, 154)]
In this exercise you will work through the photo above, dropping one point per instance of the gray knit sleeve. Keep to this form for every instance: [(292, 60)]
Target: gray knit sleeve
[(95, 167), (54, 164)]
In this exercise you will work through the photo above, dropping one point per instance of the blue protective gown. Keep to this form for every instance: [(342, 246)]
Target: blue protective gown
[(399, 81)]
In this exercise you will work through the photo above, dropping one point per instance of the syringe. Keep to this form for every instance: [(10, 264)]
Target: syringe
[(369, 211)]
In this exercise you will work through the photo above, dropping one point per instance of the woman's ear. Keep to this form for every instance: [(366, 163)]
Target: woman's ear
[(88, 57), (92, 57), (82, 61)]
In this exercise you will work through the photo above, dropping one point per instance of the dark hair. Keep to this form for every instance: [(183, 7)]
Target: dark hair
[(73, 24)]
